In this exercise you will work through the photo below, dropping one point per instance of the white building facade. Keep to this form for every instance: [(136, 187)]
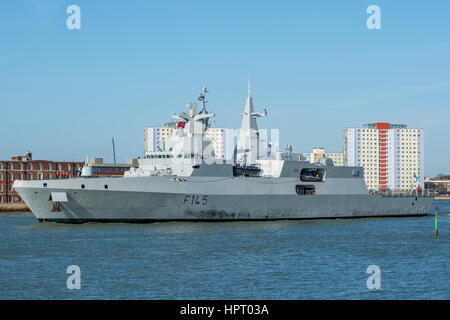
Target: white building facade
[(317, 153), (155, 137), (392, 155)]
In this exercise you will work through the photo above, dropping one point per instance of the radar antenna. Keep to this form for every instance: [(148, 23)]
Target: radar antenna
[(201, 98), (249, 84)]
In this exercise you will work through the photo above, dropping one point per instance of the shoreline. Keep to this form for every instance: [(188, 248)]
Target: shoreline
[(13, 214), (18, 208)]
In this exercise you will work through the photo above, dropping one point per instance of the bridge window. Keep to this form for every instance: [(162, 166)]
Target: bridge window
[(312, 174)]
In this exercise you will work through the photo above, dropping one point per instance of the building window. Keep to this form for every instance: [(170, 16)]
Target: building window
[(1, 176), (50, 176), (10, 166), (49, 167), (1, 187), (39, 166), (30, 167), (11, 177), (1, 199), (1, 166), (21, 176), (59, 166), (39, 176), (20, 166), (10, 187), (30, 177)]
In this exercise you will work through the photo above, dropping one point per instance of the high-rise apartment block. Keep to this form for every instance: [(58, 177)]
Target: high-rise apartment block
[(392, 155)]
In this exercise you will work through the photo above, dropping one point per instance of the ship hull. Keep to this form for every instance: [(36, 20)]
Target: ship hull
[(177, 205)]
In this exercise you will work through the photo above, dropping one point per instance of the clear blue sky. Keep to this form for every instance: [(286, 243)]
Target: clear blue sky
[(315, 66)]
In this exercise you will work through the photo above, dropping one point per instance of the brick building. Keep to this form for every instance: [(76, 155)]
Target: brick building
[(25, 168)]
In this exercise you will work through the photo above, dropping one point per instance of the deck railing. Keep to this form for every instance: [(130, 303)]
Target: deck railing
[(407, 193)]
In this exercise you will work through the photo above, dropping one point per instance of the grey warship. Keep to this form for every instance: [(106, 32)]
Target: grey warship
[(185, 182)]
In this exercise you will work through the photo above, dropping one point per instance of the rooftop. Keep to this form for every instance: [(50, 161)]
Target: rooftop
[(384, 125)]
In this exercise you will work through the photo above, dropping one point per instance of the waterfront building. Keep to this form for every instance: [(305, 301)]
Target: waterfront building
[(155, 137), (441, 184), (110, 169), (218, 139), (25, 168), (392, 155), (317, 153)]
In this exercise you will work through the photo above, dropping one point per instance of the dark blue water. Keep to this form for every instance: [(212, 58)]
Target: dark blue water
[(324, 259)]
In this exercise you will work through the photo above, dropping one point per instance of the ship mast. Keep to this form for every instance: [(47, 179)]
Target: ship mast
[(196, 125), (201, 98), (247, 148)]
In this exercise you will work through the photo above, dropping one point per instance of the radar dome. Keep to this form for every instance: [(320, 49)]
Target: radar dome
[(86, 171)]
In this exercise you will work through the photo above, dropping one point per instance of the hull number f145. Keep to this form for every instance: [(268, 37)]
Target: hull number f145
[(195, 199)]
